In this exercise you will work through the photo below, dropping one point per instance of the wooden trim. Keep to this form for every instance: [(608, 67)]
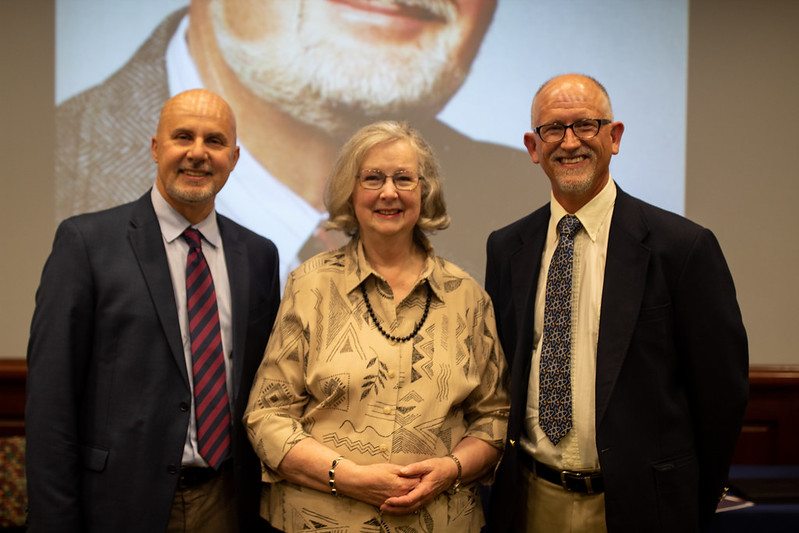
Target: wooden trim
[(13, 369), (774, 375), (770, 433), (13, 373)]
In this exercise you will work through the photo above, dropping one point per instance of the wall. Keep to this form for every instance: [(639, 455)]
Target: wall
[(26, 162), (741, 178)]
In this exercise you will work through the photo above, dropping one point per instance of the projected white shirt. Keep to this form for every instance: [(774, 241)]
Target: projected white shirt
[(252, 196)]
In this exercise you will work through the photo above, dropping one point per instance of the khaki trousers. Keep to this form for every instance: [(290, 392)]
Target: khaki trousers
[(549, 508), (208, 507)]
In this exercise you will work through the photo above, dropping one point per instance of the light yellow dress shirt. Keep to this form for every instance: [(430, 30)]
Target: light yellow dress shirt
[(330, 375), (577, 451)]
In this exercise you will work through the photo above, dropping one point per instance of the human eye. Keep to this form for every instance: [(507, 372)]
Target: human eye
[(586, 126), (552, 131), (372, 178), (404, 180)]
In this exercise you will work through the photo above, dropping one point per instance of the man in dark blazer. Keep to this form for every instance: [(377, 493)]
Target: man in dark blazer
[(111, 439), (658, 359)]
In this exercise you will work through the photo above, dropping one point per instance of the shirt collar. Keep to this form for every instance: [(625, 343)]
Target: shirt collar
[(358, 269), (592, 214), (173, 224)]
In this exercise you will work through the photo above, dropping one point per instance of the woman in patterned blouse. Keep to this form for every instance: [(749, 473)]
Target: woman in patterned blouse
[(381, 398)]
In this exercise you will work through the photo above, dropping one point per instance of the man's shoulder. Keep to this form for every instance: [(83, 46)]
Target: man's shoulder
[(523, 226), (107, 128), (460, 154), (228, 227), (119, 215), (657, 220), (144, 74), (446, 139), (108, 228)]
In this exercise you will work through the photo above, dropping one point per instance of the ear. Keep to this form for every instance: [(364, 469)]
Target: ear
[(236, 154), (154, 149), (530, 142), (616, 129)]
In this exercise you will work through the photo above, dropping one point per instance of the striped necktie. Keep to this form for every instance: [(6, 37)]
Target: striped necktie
[(208, 361), (554, 394)]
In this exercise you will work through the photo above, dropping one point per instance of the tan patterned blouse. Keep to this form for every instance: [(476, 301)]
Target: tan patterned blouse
[(329, 374)]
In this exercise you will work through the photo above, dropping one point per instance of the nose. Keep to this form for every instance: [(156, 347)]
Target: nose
[(570, 140), (388, 190), (196, 151)]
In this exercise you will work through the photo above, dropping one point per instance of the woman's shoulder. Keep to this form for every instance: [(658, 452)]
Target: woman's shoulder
[(452, 277), (323, 265)]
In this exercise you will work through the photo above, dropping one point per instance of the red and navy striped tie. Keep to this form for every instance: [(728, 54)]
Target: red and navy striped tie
[(208, 361)]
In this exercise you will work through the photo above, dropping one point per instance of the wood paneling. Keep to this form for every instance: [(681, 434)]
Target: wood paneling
[(770, 433), (12, 396)]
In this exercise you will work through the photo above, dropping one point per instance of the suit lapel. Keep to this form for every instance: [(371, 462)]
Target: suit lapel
[(145, 238), (622, 293), (239, 276), (525, 264)]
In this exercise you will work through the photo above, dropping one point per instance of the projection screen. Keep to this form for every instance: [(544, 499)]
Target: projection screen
[(117, 62)]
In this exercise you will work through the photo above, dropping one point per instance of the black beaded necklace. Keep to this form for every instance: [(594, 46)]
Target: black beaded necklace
[(392, 338)]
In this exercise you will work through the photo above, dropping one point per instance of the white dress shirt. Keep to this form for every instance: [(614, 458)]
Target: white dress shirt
[(577, 451)]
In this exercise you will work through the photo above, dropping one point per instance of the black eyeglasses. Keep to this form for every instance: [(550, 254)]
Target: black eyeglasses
[(582, 129), (374, 179)]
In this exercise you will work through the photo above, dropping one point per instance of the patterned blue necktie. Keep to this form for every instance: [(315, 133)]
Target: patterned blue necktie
[(554, 394)]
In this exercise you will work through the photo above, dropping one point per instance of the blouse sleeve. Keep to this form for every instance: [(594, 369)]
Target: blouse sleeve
[(278, 396), (486, 408)]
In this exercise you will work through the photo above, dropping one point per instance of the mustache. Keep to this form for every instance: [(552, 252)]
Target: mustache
[(580, 152), (442, 10)]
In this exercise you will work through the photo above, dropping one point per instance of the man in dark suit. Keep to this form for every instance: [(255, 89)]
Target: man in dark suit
[(318, 72), (635, 309), (125, 348)]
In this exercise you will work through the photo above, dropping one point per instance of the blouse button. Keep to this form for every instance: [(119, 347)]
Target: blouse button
[(383, 447), (391, 374), (387, 410)]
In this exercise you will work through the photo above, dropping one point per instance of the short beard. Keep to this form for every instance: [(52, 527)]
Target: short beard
[(567, 183), (190, 194), (317, 84)]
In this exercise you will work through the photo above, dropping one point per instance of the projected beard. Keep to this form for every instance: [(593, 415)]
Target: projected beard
[(339, 81)]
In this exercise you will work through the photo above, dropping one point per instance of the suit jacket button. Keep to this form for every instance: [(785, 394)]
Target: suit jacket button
[(184, 406), (172, 469)]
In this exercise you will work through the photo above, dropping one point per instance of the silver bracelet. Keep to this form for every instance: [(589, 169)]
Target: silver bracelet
[(332, 474), (455, 486)]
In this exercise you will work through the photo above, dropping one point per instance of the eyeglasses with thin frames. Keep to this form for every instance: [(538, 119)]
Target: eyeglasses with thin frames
[(374, 179)]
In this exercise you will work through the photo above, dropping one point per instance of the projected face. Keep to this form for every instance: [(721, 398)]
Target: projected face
[(332, 63)]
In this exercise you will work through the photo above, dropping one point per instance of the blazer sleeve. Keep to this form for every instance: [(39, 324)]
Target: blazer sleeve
[(710, 335), (58, 352)]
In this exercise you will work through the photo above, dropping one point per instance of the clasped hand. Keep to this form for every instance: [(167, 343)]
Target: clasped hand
[(398, 490)]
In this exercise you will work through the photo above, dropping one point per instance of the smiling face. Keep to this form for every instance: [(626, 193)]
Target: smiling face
[(332, 63), (578, 169), (195, 150), (387, 213)]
